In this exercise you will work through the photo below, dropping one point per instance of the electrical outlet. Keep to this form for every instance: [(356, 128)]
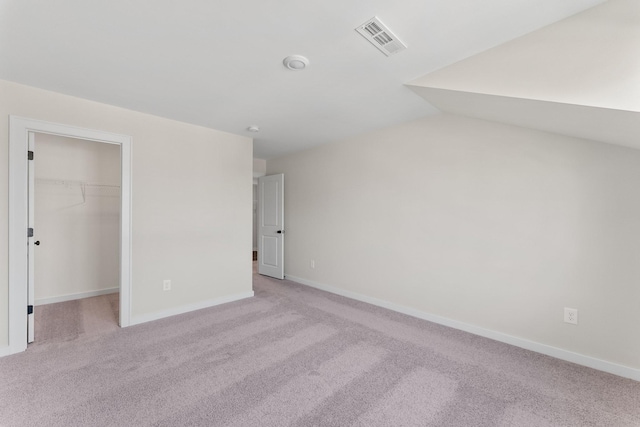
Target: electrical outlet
[(571, 315), (313, 263), (166, 285)]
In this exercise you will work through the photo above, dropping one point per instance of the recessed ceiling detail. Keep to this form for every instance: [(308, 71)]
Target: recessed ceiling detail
[(381, 37)]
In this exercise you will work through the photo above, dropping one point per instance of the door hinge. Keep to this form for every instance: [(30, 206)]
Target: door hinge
[(29, 232), (29, 309), (30, 155)]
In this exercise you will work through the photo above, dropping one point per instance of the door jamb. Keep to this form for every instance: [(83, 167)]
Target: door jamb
[(19, 128)]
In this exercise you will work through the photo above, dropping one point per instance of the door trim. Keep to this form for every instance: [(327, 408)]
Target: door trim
[(31, 250), (19, 128)]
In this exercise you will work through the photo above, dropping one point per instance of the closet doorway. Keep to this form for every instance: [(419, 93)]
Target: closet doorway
[(76, 221), (22, 239)]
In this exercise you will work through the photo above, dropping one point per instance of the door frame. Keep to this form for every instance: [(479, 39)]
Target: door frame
[(19, 129), (31, 250)]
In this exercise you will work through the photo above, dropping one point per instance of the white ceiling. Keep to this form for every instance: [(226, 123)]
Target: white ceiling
[(219, 63), (578, 77)]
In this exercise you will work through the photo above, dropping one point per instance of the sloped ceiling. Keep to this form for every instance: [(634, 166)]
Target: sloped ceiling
[(218, 63), (578, 77)]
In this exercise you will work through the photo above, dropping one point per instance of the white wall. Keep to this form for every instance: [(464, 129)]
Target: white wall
[(259, 169), (191, 201), (77, 217), (588, 59), (496, 226)]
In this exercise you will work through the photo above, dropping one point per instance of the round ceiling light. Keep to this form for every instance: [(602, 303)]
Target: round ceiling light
[(295, 62)]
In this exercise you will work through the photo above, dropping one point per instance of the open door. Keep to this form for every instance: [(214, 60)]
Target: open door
[(31, 241), (21, 250), (271, 226)]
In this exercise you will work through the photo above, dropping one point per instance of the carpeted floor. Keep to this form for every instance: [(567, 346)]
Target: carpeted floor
[(297, 356), (70, 320)]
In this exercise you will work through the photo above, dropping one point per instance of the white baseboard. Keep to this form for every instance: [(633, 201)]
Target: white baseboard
[(558, 353), (143, 318), (80, 295)]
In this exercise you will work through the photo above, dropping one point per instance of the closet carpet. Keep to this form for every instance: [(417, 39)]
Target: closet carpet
[(297, 356), (69, 320)]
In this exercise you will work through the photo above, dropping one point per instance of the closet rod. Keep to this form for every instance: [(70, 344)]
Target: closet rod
[(73, 182)]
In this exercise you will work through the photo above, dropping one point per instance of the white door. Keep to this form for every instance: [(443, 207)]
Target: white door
[(31, 241), (271, 226)]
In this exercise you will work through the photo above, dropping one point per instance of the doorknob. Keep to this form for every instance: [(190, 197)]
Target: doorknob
[(37, 243), (280, 231)]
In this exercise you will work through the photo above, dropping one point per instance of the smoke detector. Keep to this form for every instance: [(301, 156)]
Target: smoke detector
[(295, 62), (381, 37)]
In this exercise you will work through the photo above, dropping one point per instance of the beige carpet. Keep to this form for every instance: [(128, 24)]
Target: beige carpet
[(301, 357), (70, 320)]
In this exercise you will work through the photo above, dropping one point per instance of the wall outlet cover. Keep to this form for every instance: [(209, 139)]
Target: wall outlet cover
[(571, 315)]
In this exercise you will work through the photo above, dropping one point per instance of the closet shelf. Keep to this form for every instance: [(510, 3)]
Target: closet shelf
[(71, 183), (95, 189)]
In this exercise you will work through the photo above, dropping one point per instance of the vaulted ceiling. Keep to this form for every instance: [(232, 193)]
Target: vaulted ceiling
[(578, 77), (219, 63)]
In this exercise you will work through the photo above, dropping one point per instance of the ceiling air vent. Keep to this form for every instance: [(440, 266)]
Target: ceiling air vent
[(381, 37)]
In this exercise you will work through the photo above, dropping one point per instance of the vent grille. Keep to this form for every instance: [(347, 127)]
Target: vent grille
[(381, 37)]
